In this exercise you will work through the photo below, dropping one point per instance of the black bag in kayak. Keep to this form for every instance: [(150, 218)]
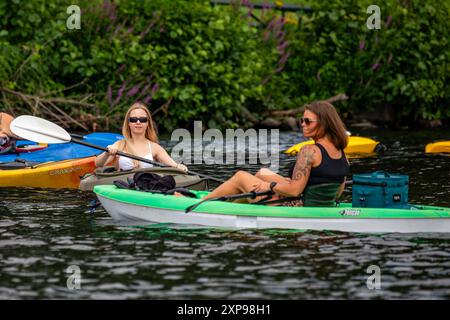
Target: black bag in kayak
[(151, 182), (146, 181)]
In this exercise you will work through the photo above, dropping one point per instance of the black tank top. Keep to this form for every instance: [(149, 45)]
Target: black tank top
[(329, 171)]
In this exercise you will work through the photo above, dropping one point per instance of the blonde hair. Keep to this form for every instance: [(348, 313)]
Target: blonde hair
[(150, 132), (329, 123)]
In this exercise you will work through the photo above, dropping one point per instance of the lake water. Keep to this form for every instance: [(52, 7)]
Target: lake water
[(43, 232)]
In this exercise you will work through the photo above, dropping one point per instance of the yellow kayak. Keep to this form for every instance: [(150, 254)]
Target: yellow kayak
[(438, 147), (56, 174), (356, 145)]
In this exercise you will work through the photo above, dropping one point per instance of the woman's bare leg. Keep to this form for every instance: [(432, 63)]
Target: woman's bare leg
[(270, 176), (240, 182)]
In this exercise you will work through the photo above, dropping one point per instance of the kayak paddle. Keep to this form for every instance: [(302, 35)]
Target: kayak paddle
[(251, 195), (43, 131)]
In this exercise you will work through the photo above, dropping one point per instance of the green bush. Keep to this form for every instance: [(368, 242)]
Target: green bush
[(192, 61), (187, 59), (404, 65)]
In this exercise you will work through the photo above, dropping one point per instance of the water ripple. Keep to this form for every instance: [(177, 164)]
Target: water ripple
[(43, 232)]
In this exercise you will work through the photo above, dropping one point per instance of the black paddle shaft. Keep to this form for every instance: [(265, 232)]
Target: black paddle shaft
[(120, 153), (251, 195)]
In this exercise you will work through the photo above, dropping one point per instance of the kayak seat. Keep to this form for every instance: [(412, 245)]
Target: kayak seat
[(18, 164), (321, 195)]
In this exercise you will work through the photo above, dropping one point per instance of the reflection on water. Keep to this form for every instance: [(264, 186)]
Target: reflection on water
[(43, 232)]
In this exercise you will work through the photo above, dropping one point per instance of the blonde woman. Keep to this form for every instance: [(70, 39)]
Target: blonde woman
[(140, 140)]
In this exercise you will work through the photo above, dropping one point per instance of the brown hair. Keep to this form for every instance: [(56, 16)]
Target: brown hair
[(329, 123), (150, 132)]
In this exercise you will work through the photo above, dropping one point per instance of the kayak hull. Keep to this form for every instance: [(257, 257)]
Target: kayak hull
[(58, 174), (438, 147), (101, 176), (356, 145), (135, 206)]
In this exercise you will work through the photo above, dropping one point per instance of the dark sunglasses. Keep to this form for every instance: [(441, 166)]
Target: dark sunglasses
[(135, 119), (307, 121)]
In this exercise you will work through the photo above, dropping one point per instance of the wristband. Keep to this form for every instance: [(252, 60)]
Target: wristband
[(272, 185)]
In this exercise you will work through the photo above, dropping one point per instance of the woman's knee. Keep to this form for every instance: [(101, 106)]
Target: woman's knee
[(263, 172), (241, 174)]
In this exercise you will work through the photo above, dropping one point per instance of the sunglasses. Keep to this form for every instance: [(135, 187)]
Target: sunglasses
[(136, 119), (307, 121)]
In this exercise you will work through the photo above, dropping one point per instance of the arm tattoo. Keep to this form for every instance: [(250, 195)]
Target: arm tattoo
[(304, 162)]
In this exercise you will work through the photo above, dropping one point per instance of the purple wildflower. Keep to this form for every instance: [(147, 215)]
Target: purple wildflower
[(362, 45), (282, 46), (265, 5), (284, 58), (279, 69), (281, 34), (106, 5), (375, 66), (144, 91), (133, 90), (148, 99), (271, 24), (120, 92), (388, 21), (155, 88), (279, 24)]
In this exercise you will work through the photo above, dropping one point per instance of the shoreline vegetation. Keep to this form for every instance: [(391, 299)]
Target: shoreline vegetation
[(226, 65)]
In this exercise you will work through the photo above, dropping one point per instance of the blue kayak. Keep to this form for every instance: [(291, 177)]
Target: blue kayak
[(64, 151)]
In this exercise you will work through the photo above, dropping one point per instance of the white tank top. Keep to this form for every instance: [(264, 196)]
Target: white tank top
[(127, 163)]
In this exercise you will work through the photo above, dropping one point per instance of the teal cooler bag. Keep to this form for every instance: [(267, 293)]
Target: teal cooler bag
[(380, 190)]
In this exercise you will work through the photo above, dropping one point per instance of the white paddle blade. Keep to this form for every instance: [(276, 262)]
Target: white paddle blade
[(39, 130)]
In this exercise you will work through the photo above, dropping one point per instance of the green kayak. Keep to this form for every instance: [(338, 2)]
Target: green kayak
[(148, 207)]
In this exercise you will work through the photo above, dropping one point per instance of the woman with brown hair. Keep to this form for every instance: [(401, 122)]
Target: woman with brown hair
[(322, 163), (140, 140)]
